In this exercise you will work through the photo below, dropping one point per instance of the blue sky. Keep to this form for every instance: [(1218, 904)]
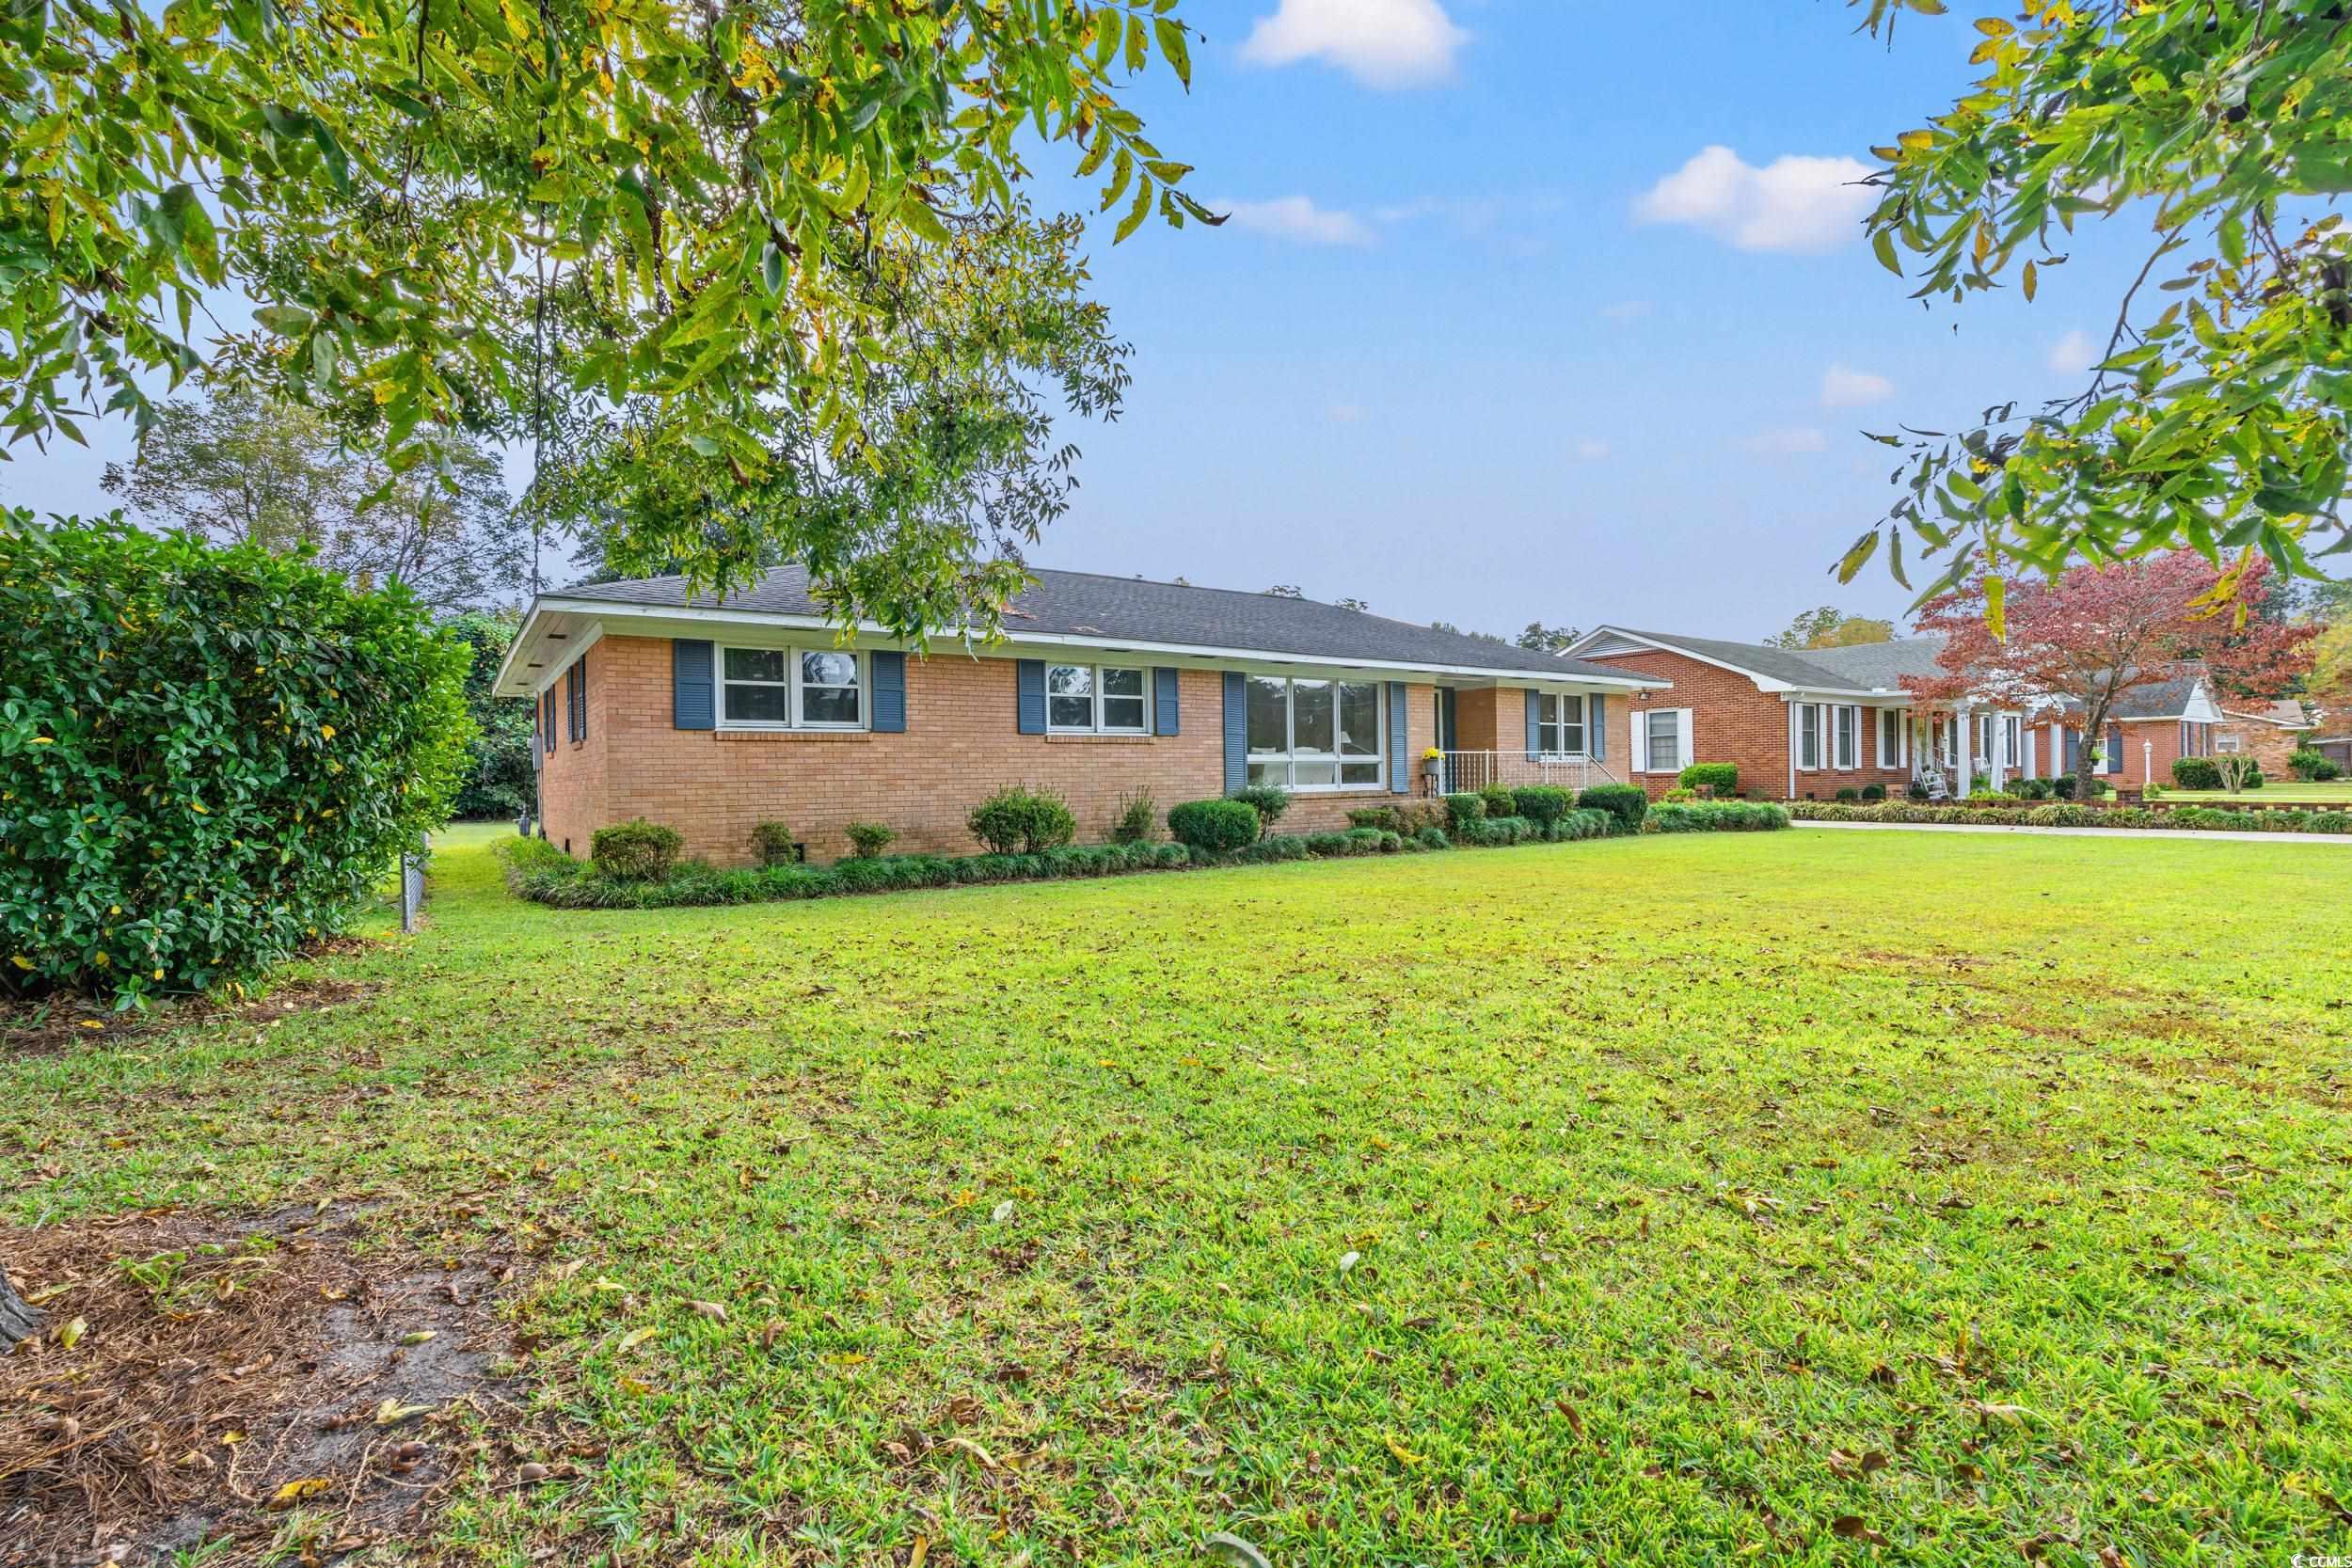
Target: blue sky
[(1493, 337)]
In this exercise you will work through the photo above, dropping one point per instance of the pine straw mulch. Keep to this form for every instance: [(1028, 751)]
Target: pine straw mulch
[(288, 1384)]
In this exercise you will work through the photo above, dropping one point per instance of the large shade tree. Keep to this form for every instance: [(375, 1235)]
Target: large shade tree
[(2096, 634), (2218, 412), (763, 272)]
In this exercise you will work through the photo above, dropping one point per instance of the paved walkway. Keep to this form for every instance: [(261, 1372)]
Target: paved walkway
[(2081, 832)]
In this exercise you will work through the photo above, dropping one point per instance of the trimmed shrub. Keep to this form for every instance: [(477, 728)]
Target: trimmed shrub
[(1018, 818), (2312, 765), (1874, 792), (1542, 804), (1847, 792), (1137, 820), (636, 850), (1268, 800), (1716, 817), (772, 842), (207, 757), (2196, 774), (1462, 810), (1433, 837), (1721, 776), (866, 839), (1496, 832), (1214, 826), (1501, 801), (1628, 803)]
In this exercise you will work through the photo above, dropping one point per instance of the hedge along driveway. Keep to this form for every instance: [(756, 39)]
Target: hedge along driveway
[(1668, 1199)]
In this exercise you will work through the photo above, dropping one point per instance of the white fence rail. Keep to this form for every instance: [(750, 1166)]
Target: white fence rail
[(1475, 770)]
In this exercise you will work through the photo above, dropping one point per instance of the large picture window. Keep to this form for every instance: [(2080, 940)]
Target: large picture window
[(791, 688), (1095, 699), (1314, 735), (1560, 724)]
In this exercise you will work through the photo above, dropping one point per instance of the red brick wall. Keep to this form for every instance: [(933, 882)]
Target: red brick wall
[(572, 777), (2268, 744), (960, 745), (1733, 722)]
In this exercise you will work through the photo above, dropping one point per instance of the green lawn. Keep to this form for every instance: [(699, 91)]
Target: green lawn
[(1665, 1201)]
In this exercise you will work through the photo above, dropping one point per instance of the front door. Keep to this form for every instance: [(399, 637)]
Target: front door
[(1445, 737)]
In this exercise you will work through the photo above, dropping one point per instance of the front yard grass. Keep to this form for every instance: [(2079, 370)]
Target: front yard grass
[(1797, 1197)]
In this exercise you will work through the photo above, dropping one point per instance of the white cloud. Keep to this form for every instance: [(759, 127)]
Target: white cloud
[(1843, 386), (1296, 218), (1791, 203), (1788, 441), (2074, 354), (1626, 311), (1382, 43), (1589, 449)]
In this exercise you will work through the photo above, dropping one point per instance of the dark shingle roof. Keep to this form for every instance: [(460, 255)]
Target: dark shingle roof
[(1865, 667), (1085, 604), (2163, 699)]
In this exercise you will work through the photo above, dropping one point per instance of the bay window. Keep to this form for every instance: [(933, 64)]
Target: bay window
[(775, 688), (1560, 724), (1095, 699), (1307, 735)]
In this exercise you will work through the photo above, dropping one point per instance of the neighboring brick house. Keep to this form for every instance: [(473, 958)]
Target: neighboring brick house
[(2149, 728), (2269, 732), (713, 716), (1797, 724)]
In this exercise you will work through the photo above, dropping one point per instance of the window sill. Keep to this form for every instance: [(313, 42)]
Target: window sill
[(857, 735), (1086, 737)]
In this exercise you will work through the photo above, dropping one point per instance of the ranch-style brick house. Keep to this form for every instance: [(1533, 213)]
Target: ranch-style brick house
[(712, 715), (1805, 723)]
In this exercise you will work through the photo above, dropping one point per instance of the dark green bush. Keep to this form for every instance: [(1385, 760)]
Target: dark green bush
[(1874, 792), (1721, 776), (2312, 765), (867, 839), (1017, 818), (1137, 820), (1216, 825), (1496, 832), (1847, 792), (1268, 800), (1500, 800), (207, 757), (772, 842), (1716, 817), (636, 850), (1463, 809), (2196, 774), (1628, 803), (1542, 804), (1433, 837)]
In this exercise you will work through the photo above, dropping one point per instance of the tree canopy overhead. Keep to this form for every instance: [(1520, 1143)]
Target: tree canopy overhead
[(696, 246), (2218, 414)]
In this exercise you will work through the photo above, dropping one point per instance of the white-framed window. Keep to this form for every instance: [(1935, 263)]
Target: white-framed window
[(1809, 735), (1311, 734), (2013, 738), (786, 688), (1890, 736), (1097, 699), (1560, 724), (1663, 730), (1848, 733)]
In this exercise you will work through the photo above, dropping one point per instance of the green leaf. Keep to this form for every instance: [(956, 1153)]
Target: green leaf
[(921, 221), (1171, 36), (1882, 246), (1136, 214), (287, 320), (771, 267), (1857, 556)]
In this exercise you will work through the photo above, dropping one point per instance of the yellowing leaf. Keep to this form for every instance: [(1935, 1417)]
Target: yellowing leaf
[(1405, 1456), (637, 1336), (295, 1491), (70, 1335)]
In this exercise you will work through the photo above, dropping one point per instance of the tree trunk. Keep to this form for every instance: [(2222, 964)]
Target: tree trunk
[(17, 1320)]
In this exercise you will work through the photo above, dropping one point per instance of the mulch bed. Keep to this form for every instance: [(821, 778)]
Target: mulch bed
[(286, 1383)]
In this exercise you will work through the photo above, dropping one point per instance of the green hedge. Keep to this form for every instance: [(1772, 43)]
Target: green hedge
[(1721, 776), (2061, 814), (207, 756), (1715, 817), (544, 873), (1629, 803), (1216, 825)]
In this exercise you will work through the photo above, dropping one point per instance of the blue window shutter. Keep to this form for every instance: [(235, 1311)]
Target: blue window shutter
[(1029, 696), (692, 700), (1400, 742), (1597, 726), (1165, 716), (1236, 731), (888, 670), (1534, 721)]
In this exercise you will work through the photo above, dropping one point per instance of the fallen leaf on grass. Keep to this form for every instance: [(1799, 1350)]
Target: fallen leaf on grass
[(637, 1336), (972, 1451), (922, 1549), (1854, 1529), (1405, 1456), (421, 1336), (391, 1412), (70, 1335), (1348, 1261), (295, 1492), (711, 1310), (1233, 1549)]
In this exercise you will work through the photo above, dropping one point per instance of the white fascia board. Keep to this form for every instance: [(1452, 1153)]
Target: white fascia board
[(575, 644), (1876, 696), (658, 620)]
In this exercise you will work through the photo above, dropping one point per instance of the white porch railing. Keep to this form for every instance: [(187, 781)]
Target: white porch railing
[(1458, 772)]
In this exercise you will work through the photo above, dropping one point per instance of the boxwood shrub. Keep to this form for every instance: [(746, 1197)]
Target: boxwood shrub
[(1542, 804), (635, 850), (207, 756), (1462, 809), (1029, 821), (1214, 825), (1628, 803), (1715, 817), (1721, 776), (2196, 774)]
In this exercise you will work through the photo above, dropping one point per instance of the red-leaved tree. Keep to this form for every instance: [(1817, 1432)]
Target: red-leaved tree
[(2097, 633)]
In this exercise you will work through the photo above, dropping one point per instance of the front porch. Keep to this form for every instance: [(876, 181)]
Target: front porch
[(1454, 773)]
